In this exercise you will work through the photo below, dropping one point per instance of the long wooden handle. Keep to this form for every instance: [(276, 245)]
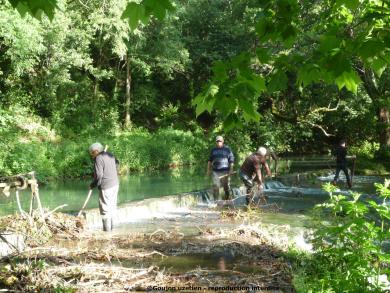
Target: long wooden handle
[(85, 203), (229, 174)]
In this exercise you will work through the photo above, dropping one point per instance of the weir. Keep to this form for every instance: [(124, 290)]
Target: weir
[(288, 204)]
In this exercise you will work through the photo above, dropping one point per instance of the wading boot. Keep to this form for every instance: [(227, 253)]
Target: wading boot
[(107, 225), (349, 183)]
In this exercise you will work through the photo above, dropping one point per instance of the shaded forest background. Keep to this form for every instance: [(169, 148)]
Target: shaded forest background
[(85, 76)]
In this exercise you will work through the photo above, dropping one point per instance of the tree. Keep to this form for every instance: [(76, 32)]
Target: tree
[(300, 43)]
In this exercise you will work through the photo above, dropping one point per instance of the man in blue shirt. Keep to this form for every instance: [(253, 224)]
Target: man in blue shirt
[(221, 162)]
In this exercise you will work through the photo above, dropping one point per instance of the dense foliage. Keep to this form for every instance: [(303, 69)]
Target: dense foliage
[(349, 243), (85, 70)]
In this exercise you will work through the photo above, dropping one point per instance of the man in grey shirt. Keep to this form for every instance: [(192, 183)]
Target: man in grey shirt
[(105, 177)]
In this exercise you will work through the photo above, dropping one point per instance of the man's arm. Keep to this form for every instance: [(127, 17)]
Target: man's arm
[(259, 176), (208, 168), (267, 169), (231, 161)]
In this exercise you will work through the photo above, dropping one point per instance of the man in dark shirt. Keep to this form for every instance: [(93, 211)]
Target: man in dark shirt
[(105, 177), (341, 163), (250, 171), (221, 162)]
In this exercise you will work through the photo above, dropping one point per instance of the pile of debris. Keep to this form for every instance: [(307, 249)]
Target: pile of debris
[(38, 228), (245, 256)]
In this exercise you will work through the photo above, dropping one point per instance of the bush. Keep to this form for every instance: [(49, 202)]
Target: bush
[(366, 149), (348, 245), (24, 148)]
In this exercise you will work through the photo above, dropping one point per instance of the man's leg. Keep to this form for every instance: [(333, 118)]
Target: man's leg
[(107, 204), (216, 185), (345, 170), (249, 185), (336, 176), (104, 210), (114, 203), (225, 181)]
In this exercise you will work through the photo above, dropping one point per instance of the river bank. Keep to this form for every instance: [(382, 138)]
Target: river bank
[(201, 249)]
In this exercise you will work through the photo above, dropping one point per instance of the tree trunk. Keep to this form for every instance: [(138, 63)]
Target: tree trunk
[(383, 124), (127, 122), (115, 90), (384, 128)]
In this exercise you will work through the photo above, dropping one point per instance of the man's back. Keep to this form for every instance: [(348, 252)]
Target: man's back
[(251, 164), (341, 154), (106, 174)]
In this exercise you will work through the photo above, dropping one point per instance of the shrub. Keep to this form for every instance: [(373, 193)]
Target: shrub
[(348, 245)]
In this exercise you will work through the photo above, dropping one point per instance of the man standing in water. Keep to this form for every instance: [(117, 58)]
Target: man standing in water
[(341, 163), (221, 162), (106, 179), (250, 171)]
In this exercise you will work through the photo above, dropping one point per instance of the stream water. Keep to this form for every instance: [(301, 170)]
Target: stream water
[(294, 192)]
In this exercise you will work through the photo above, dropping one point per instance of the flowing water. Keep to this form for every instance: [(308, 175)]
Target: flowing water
[(294, 192)]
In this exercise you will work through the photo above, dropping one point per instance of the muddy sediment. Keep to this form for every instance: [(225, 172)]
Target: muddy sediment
[(199, 251)]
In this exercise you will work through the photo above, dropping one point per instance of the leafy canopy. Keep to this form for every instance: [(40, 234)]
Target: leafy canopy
[(300, 42)]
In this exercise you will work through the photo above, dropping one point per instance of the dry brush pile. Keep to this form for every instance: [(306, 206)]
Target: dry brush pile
[(248, 255)]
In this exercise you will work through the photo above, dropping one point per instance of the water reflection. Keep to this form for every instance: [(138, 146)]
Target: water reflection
[(132, 187), (160, 183)]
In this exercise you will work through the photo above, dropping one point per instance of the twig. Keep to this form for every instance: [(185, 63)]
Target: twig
[(157, 231), (51, 212), (152, 253)]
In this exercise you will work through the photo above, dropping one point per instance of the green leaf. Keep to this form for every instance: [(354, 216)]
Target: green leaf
[(205, 101), (262, 55), (35, 7), (379, 65), (350, 4), (241, 62), (250, 113), (226, 105), (278, 82), (307, 74), (220, 71), (134, 13), (258, 83), (212, 90), (370, 49), (158, 8), (243, 89), (289, 32), (261, 27), (349, 79), (22, 8), (329, 43), (205, 104), (39, 6), (231, 122), (338, 64)]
